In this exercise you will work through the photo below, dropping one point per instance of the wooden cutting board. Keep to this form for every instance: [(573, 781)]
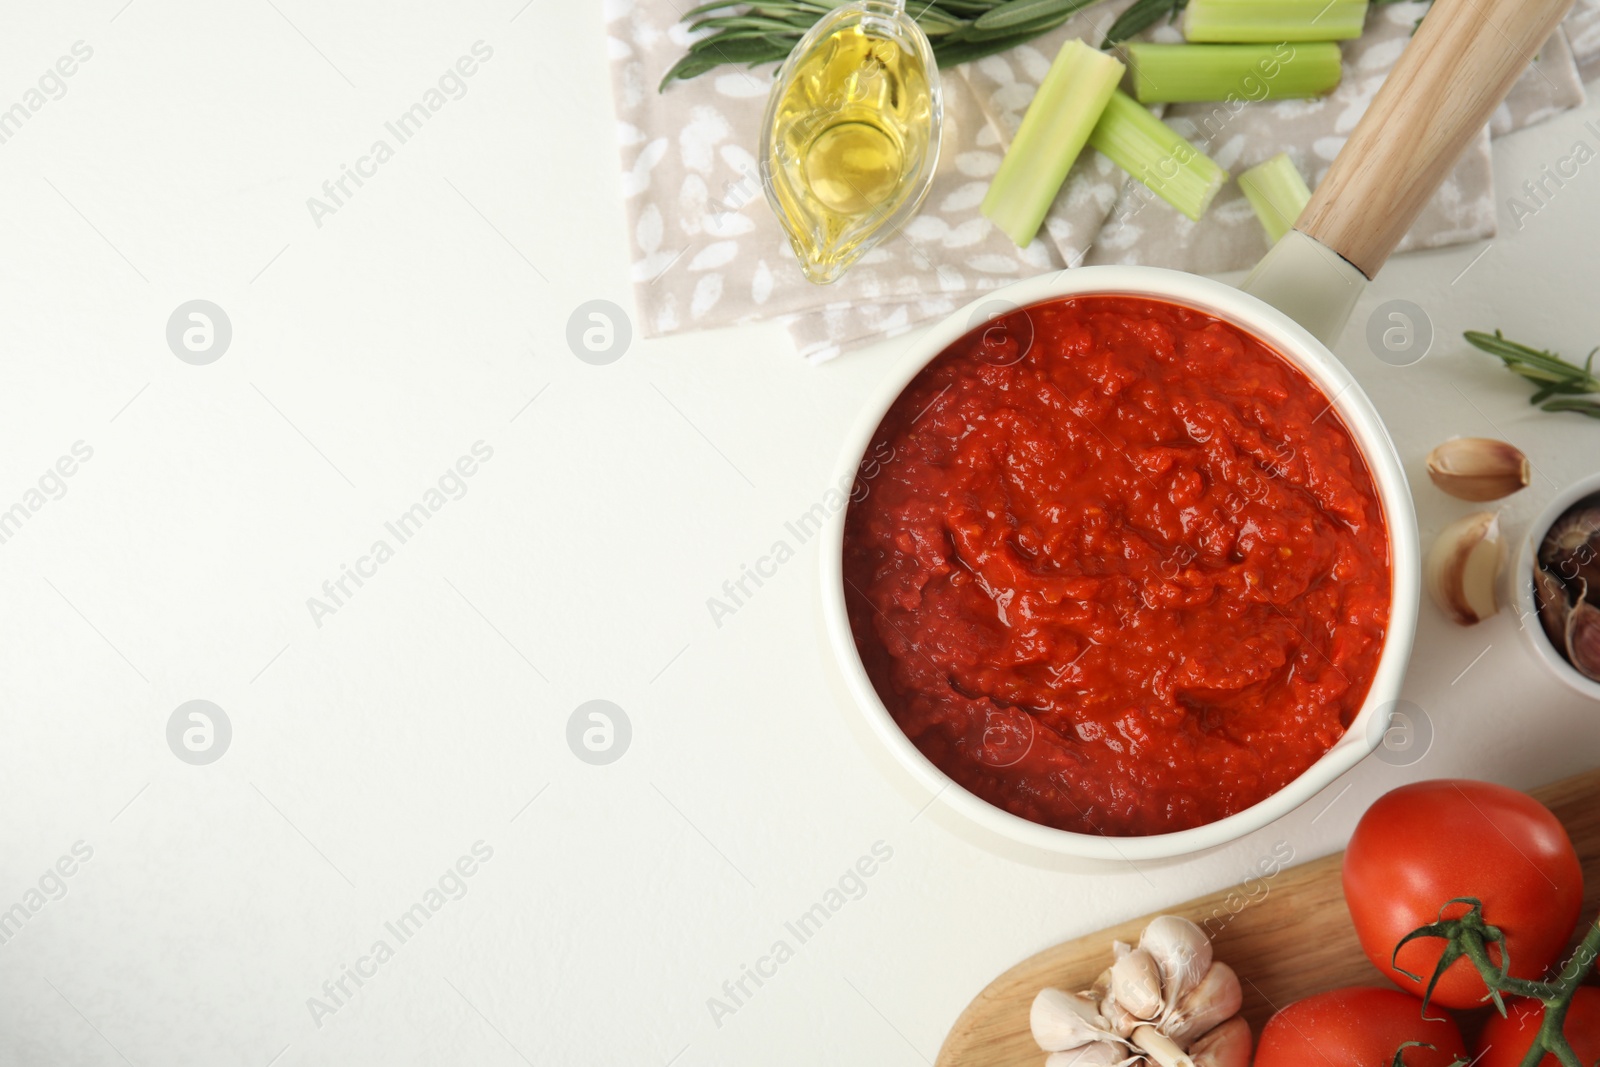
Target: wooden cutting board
[(1288, 936)]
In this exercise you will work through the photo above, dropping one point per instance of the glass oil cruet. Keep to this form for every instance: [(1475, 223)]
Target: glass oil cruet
[(851, 135)]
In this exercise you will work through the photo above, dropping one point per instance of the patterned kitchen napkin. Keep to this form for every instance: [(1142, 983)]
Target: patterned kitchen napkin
[(1143, 229), (1582, 31), (707, 251)]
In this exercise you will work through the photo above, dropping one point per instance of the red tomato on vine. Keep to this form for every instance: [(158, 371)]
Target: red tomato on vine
[(1430, 843), (1505, 1041), (1357, 1027)]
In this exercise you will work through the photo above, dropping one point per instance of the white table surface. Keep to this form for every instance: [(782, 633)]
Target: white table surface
[(370, 753)]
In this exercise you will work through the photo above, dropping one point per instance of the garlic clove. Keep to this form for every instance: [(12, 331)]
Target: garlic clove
[(1062, 1021), (1213, 1002), (1226, 1046), (1478, 468), (1578, 525), (1098, 1054), (1102, 985), (1119, 1020), (1571, 547), (1182, 953), (1583, 640), (1463, 566), (1136, 984), (1104, 994), (1550, 597)]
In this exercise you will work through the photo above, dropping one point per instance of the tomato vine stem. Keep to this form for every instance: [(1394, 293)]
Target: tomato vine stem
[(1470, 935)]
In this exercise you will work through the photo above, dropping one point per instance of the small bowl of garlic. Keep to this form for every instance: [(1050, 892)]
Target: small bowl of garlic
[(1555, 585)]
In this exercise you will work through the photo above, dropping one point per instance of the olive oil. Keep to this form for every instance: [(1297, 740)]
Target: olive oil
[(852, 132)]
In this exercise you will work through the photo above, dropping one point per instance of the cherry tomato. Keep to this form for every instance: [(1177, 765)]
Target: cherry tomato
[(1424, 844), (1505, 1041), (1357, 1027)]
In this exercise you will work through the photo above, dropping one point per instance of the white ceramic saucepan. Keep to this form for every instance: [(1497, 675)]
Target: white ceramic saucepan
[(1463, 59)]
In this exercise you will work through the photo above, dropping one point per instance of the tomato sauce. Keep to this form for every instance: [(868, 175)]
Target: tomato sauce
[(1118, 568)]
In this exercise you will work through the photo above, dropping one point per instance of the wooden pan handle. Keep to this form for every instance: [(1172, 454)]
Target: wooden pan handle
[(1453, 74)]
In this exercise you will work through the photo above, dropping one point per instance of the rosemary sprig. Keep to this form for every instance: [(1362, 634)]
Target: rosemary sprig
[(1140, 17), (766, 31), (1567, 383), (1590, 408)]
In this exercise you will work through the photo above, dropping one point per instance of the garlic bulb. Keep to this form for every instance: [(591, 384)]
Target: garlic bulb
[(1166, 1003)]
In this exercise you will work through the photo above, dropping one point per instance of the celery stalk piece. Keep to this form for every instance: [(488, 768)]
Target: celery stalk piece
[(1267, 21), (1052, 134), (1277, 193), (1150, 150), (1173, 73)]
